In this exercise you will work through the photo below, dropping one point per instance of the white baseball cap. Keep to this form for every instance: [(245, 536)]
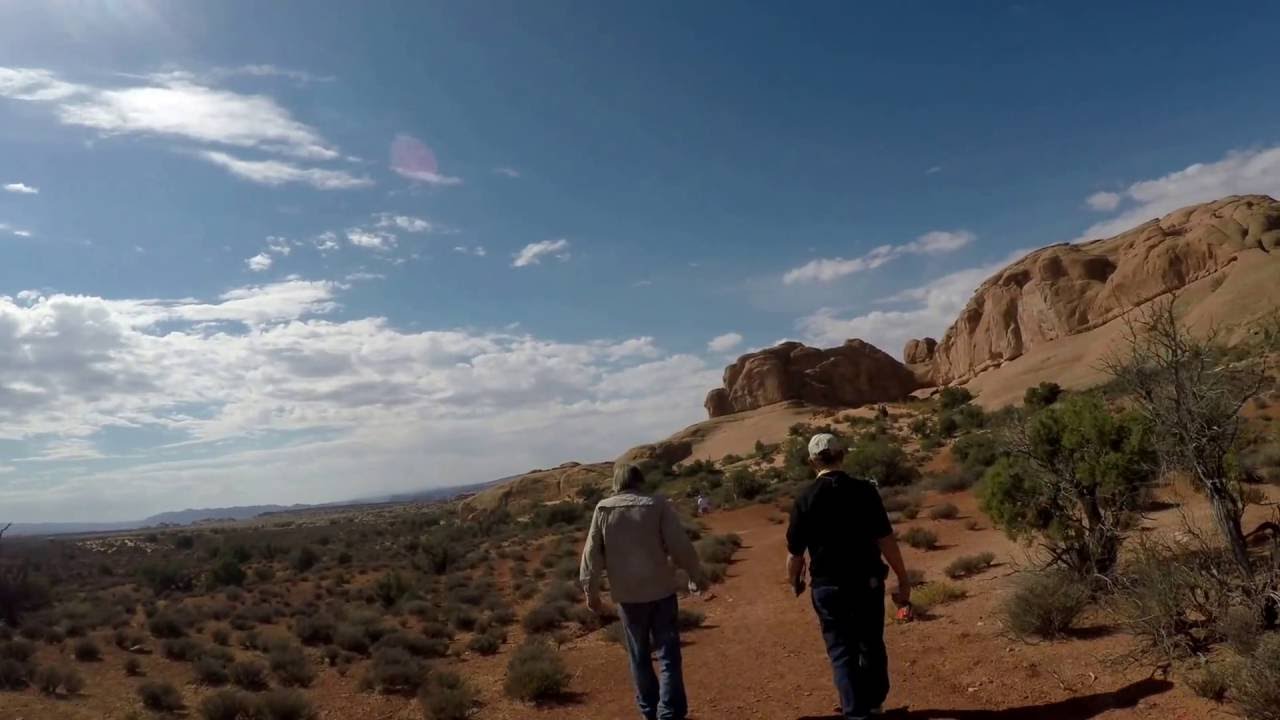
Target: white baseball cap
[(825, 442)]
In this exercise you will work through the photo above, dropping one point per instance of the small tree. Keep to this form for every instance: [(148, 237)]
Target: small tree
[(1191, 392), (744, 484), (953, 397), (20, 591), (1075, 479), (882, 461)]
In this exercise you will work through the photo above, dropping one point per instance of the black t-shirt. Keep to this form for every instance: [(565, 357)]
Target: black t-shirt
[(840, 520)]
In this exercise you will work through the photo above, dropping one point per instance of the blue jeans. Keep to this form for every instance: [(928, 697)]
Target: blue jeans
[(650, 627), (852, 620)]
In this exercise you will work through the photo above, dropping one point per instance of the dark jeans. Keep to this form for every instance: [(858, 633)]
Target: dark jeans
[(650, 627), (852, 620)]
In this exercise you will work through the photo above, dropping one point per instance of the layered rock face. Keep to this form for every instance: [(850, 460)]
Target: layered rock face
[(522, 494), (854, 373), (1066, 289)]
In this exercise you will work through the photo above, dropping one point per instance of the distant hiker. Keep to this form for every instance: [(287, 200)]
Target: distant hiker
[(632, 535), (841, 523), (704, 505)]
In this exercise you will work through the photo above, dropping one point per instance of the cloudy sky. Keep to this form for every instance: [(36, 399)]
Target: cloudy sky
[(296, 252)]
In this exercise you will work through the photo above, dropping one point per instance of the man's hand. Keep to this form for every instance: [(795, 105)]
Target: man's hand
[(594, 604), (902, 593)]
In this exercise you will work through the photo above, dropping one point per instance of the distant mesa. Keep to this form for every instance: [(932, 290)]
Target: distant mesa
[(855, 373), (1064, 290)]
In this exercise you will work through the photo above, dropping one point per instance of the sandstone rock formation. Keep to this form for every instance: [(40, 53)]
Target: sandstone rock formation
[(667, 452), (1063, 290), (521, 494), (855, 373), (918, 356)]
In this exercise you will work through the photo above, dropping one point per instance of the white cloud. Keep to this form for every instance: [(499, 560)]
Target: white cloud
[(476, 250), (359, 398), (260, 262), (1103, 201), (372, 239), (300, 76), (1238, 173), (365, 276), (724, 343), (176, 105), (826, 270), (928, 311), (276, 172), (533, 253), (407, 223), (21, 189), (326, 242), (5, 227), (278, 245), (507, 172), (933, 170)]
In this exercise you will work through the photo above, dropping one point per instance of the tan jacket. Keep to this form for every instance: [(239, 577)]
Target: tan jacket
[(631, 537)]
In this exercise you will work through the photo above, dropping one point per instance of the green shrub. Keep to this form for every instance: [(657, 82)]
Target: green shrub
[(227, 572), (393, 670), (744, 484), (86, 650), (945, 511), (1255, 686), (1042, 395), (132, 667), (290, 666), (545, 618), (211, 670), (447, 696), (160, 696), (920, 538), (416, 645), (390, 588), (248, 674), (1210, 681), (14, 674), (182, 649), (50, 679), (1045, 604), (167, 625), (487, 643), (284, 704), (953, 397), (305, 558), (229, 705), (352, 639), (881, 461), (968, 565), (536, 673), (1078, 484)]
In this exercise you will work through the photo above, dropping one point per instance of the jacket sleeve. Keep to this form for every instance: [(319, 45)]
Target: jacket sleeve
[(679, 547), (593, 557)]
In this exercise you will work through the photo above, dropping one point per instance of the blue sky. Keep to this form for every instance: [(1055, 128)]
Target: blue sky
[(299, 252)]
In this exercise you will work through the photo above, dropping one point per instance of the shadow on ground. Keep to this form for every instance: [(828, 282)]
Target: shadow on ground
[(1083, 707)]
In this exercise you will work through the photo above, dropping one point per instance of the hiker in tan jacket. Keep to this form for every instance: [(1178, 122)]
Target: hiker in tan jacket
[(631, 538)]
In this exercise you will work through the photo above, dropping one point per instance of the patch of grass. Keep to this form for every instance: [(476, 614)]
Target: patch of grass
[(968, 565), (1210, 681), (248, 674), (920, 538), (229, 705), (86, 650), (1045, 604), (935, 594), (1255, 685), (393, 670), (689, 619), (285, 704)]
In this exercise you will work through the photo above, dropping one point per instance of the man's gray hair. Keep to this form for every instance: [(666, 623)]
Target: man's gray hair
[(627, 477)]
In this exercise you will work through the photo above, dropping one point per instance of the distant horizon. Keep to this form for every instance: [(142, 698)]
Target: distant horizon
[(263, 254)]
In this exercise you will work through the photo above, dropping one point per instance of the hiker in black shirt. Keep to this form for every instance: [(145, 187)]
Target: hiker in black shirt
[(841, 523)]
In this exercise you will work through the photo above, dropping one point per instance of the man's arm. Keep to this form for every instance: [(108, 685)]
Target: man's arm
[(593, 561), (888, 546), (797, 544), (681, 548)]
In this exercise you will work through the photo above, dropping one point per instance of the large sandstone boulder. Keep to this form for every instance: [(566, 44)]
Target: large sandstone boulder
[(855, 373), (666, 453), (918, 357), (521, 494), (1063, 290)]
